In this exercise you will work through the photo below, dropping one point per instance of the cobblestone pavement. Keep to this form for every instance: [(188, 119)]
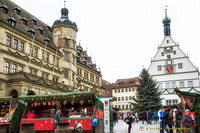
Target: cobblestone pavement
[(121, 127)]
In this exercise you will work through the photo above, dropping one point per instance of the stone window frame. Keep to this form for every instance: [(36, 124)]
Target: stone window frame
[(15, 43), (180, 65), (13, 68), (7, 67), (21, 46), (8, 40), (190, 83), (159, 68)]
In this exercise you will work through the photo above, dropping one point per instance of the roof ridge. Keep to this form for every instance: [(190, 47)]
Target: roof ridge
[(22, 9)]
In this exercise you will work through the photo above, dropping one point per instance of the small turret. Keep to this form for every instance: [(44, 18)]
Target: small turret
[(166, 23)]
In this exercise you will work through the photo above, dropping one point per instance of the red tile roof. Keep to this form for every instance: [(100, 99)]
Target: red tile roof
[(125, 83)]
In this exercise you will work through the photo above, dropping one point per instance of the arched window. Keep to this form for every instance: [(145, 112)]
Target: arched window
[(30, 92), (14, 93)]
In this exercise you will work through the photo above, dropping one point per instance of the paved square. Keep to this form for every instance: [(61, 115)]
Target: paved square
[(122, 127)]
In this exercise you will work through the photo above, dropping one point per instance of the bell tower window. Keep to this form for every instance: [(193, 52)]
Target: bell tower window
[(66, 43)]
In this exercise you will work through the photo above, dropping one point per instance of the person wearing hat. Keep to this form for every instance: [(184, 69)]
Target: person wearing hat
[(129, 121), (188, 121)]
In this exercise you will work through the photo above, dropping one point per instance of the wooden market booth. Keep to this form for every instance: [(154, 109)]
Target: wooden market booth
[(191, 101), (75, 106)]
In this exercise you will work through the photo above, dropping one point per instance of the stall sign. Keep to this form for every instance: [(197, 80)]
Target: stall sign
[(106, 114)]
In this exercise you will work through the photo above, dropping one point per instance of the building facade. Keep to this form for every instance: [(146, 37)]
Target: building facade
[(108, 88), (171, 68), (38, 59), (123, 90)]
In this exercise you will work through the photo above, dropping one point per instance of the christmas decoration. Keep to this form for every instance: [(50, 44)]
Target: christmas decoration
[(72, 102), (65, 102), (35, 104), (44, 103), (53, 103), (49, 103), (81, 102), (148, 96)]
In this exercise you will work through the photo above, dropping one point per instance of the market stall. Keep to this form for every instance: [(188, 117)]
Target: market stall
[(191, 101), (76, 106)]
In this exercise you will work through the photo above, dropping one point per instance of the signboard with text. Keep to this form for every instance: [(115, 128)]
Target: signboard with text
[(106, 114)]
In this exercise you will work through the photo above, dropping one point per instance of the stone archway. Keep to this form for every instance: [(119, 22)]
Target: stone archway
[(30, 92), (14, 93)]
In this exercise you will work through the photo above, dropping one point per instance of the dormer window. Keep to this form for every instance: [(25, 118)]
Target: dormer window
[(24, 20), (49, 28), (31, 31), (34, 21), (40, 30), (12, 21), (90, 64), (4, 8), (17, 10), (46, 40), (84, 60), (85, 56)]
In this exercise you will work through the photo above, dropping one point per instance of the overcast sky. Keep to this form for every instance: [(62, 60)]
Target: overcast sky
[(123, 35)]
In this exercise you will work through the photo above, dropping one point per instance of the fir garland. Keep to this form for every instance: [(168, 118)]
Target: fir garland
[(35, 61), (90, 83), (43, 82), (177, 88)]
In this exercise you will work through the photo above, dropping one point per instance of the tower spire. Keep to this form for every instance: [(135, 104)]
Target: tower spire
[(64, 3), (64, 12), (166, 23), (166, 10)]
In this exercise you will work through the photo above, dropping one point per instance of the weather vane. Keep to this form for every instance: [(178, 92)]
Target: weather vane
[(64, 3), (166, 9)]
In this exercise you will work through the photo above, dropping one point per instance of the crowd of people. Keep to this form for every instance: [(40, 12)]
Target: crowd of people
[(170, 119)]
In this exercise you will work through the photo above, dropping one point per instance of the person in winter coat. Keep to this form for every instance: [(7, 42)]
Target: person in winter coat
[(149, 116), (188, 121), (136, 116), (129, 121), (144, 117), (57, 119), (170, 121), (162, 116), (155, 117), (178, 120)]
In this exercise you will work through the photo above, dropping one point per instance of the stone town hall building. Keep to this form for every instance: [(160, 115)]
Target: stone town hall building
[(172, 68), (39, 59)]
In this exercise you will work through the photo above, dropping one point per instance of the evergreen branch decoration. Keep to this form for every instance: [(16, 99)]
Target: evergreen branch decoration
[(43, 82), (35, 61)]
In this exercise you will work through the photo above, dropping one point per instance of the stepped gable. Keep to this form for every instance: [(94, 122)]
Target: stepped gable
[(125, 83), (33, 24)]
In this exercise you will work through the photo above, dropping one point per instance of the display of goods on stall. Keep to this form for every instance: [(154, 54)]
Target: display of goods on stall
[(76, 106), (81, 102), (191, 101)]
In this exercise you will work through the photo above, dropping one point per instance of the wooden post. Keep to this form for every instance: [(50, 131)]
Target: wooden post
[(27, 128), (4, 128), (63, 128)]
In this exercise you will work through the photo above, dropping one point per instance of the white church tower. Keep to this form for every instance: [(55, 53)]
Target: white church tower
[(172, 68)]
